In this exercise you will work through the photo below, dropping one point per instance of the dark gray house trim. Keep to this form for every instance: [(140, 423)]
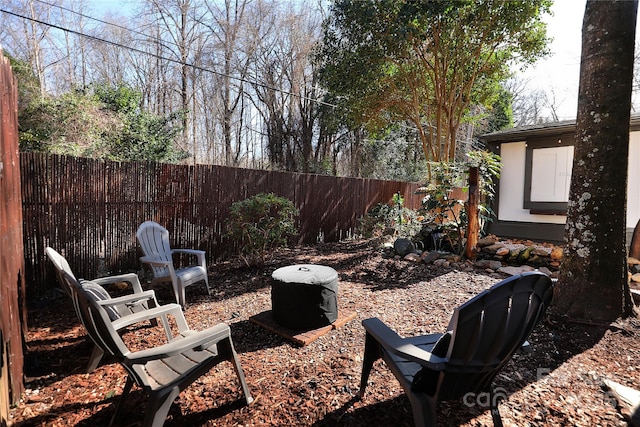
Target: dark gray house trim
[(553, 129), (547, 141), (536, 136), (552, 233)]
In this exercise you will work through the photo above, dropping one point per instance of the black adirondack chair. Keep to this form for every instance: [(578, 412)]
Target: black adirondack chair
[(482, 336)]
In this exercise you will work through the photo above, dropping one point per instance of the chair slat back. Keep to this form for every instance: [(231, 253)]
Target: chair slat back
[(489, 328), (154, 240), (96, 321), (60, 264)]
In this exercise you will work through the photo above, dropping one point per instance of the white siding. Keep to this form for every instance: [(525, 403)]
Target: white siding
[(510, 207), (633, 181)]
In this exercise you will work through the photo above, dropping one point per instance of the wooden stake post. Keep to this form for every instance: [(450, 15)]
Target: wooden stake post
[(473, 227)]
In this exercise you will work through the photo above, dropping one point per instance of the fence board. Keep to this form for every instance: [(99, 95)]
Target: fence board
[(89, 209), (13, 320)]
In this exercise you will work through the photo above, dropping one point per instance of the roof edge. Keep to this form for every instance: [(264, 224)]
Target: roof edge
[(543, 129)]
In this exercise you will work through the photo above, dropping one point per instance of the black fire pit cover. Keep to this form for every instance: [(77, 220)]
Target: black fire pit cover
[(304, 296)]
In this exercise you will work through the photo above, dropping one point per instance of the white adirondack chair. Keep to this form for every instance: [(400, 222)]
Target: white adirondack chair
[(126, 307), (154, 240), (165, 370)]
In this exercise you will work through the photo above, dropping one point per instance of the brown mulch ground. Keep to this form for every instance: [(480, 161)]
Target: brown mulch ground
[(557, 383)]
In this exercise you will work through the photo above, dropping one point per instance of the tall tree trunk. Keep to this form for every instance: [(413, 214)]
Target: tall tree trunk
[(36, 51), (184, 95), (593, 281)]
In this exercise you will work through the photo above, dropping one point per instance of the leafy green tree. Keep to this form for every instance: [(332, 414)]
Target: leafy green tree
[(140, 135), (500, 114), (70, 124), (28, 83), (120, 99), (426, 62), (100, 122), (394, 154)]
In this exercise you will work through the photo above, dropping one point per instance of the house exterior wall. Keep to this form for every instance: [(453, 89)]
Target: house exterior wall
[(516, 220), (633, 181), (512, 187)]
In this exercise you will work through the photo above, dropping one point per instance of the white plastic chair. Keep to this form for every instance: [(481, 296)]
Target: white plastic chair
[(165, 370), (126, 307), (154, 240)]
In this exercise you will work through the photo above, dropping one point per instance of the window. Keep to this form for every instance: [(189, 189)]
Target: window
[(547, 175), (550, 174)]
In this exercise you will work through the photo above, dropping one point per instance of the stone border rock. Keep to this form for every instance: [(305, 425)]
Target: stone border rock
[(498, 256), (494, 256)]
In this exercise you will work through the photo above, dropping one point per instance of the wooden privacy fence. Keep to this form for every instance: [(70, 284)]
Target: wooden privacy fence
[(89, 210), (13, 325)]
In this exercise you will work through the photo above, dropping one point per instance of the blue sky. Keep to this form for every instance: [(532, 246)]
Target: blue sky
[(115, 7)]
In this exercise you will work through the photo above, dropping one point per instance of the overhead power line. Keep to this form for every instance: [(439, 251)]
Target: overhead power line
[(176, 61), (129, 30)]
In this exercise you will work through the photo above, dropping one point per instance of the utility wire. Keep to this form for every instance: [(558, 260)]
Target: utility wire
[(153, 55), (146, 36), (402, 124), (163, 43), (66, 9)]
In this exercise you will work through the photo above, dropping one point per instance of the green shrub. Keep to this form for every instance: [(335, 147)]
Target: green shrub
[(450, 213), (386, 220), (261, 224)]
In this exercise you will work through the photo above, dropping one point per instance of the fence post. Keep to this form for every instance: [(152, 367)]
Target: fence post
[(473, 227), (12, 284)]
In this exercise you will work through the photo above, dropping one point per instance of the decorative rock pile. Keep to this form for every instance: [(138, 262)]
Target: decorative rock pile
[(634, 269), (494, 256), (521, 253)]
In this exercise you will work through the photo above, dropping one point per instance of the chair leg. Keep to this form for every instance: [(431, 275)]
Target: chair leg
[(243, 382), (206, 282), (495, 412), (178, 291), (125, 393), (183, 298), (424, 409), (372, 353), (166, 326), (158, 407), (94, 359), (228, 352)]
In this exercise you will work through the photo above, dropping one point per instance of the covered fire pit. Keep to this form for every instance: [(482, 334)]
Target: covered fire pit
[(304, 296)]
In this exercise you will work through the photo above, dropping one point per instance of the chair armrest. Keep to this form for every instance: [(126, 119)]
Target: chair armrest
[(153, 313), (155, 262), (128, 277), (130, 299), (189, 251), (199, 254), (197, 341), (395, 344)]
